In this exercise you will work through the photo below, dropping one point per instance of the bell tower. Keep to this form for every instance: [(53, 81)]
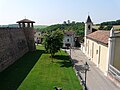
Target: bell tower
[(88, 26), (27, 26)]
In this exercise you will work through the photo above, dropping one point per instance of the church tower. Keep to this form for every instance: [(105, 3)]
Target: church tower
[(88, 26)]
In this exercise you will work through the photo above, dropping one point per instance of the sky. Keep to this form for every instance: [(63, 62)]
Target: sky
[(48, 12)]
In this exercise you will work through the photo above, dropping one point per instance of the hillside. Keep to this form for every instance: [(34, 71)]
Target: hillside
[(40, 26), (106, 27), (77, 27), (10, 25), (117, 22)]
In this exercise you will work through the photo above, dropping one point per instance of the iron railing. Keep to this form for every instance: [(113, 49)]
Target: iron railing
[(114, 71)]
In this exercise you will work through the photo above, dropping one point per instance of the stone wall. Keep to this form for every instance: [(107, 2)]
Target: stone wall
[(29, 34), (13, 45)]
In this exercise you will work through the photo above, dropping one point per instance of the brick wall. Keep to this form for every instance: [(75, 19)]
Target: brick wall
[(13, 45)]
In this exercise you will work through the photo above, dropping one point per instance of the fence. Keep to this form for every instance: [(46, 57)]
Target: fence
[(115, 72)]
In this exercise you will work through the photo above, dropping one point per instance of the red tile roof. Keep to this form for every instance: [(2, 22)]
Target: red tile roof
[(100, 35)]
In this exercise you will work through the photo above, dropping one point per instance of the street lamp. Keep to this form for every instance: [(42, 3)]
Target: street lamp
[(70, 44), (70, 50), (86, 68)]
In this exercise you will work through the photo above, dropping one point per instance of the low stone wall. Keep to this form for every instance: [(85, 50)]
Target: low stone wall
[(13, 45)]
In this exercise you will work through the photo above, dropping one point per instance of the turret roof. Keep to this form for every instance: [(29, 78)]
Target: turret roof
[(25, 21)]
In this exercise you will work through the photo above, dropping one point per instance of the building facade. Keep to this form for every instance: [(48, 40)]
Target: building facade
[(102, 48), (68, 40), (37, 36)]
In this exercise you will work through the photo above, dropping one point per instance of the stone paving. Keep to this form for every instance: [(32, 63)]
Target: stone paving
[(96, 80)]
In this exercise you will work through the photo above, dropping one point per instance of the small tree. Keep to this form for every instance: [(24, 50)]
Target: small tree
[(53, 42)]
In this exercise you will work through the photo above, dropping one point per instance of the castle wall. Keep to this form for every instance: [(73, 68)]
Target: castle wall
[(13, 45), (29, 34)]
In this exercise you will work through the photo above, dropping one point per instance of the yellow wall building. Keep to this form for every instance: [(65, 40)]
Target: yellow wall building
[(96, 48), (103, 49)]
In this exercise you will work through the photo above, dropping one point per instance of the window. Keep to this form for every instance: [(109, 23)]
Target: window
[(96, 51), (67, 40), (89, 27)]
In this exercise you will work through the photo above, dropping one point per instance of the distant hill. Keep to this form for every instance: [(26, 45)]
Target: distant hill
[(105, 27), (117, 22), (40, 26), (77, 27), (10, 25), (108, 25)]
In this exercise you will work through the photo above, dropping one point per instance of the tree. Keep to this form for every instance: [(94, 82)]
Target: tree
[(53, 42), (101, 27), (68, 21), (73, 23), (77, 27), (65, 22), (108, 27)]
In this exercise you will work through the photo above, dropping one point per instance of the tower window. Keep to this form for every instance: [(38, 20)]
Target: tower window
[(89, 27), (67, 40)]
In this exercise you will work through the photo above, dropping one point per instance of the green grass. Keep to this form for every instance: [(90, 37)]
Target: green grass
[(36, 71), (12, 77)]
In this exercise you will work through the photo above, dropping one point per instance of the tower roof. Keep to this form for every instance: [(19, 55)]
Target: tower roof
[(89, 20), (25, 21)]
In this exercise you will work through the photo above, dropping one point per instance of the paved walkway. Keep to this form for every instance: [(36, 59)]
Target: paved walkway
[(96, 80)]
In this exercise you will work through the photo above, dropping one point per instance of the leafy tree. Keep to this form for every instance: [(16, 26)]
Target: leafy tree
[(73, 22), (117, 22), (101, 27), (108, 27), (77, 27), (53, 42), (68, 21), (65, 22)]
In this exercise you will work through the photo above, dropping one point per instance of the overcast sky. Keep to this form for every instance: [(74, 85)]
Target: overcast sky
[(47, 12)]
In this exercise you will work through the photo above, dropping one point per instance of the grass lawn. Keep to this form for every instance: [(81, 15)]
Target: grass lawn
[(12, 77), (36, 71)]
